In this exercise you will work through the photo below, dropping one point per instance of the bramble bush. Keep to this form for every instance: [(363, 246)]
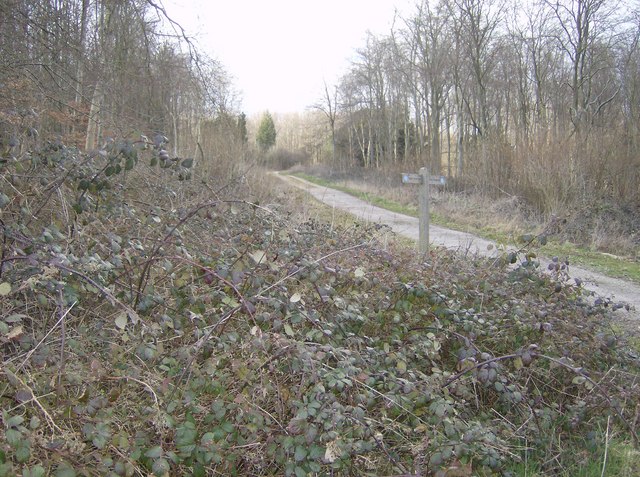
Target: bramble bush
[(157, 321)]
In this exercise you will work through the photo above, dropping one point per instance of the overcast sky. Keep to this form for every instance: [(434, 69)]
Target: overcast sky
[(280, 51)]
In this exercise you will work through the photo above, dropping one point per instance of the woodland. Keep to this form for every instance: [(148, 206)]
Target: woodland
[(167, 307), (535, 101)]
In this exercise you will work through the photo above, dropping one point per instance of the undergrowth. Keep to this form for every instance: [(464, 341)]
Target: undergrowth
[(154, 322)]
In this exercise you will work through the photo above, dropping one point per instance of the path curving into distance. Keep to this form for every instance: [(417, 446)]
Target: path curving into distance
[(607, 287)]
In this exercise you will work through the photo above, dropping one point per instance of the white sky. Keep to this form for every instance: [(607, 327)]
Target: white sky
[(279, 52)]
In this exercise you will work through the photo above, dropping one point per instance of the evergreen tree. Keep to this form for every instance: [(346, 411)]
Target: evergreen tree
[(266, 137)]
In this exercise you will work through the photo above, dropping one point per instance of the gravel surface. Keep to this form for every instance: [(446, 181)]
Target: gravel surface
[(614, 289)]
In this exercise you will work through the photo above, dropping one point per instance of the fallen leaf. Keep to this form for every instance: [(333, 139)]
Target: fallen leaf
[(332, 452), (259, 257), (121, 321), (5, 288), (295, 298), (15, 333)]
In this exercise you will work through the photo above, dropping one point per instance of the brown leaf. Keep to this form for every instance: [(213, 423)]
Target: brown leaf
[(456, 469), (23, 395), (15, 333)]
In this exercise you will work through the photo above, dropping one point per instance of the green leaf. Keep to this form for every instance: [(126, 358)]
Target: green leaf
[(100, 440), (35, 471), (160, 467), (187, 163), (300, 454), (199, 470), (13, 437), (288, 330), (84, 184), (4, 200), (186, 435), (227, 427), (23, 452), (128, 165), (579, 380), (207, 439), (527, 238), (154, 452), (34, 423), (6, 470), (517, 363), (14, 421)]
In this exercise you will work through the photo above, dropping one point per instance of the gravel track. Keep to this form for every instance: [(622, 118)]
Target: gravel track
[(614, 289)]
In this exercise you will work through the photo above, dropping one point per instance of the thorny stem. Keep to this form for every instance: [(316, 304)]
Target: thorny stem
[(559, 362), (295, 272), (130, 311), (579, 372), (63, 338), (147, 268), (201, 342), (457, 376)]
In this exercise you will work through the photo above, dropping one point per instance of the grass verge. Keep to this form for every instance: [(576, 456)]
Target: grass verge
[(618, 267)]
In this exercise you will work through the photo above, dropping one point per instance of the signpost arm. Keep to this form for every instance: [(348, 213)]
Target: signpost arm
[(423, 212)]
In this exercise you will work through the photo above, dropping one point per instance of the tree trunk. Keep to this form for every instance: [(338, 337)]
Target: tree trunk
[(93, 127)]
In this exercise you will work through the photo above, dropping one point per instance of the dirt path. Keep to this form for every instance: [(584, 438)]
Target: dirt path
[(612, 288)]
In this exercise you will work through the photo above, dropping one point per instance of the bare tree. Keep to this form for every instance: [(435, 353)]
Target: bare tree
[(328, 106), (430, 42), (586, 33)]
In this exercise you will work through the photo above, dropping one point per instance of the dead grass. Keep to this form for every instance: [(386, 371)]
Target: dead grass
[(599, 226)]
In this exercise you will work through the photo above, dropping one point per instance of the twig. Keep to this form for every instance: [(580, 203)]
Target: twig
[(63, 337), (24, 385), (35, 348), (201, 342), (579, 372), (292, 274), (457, 376), (155, 396), (114, 301), (606, 447)]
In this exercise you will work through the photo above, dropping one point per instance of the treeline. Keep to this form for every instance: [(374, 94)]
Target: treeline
[(539, 98), (87, 70)]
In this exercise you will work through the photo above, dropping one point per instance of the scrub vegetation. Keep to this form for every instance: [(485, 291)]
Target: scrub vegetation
[(166, 308), (157, 325)]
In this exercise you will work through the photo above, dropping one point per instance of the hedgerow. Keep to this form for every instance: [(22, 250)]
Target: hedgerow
[(157, 320)]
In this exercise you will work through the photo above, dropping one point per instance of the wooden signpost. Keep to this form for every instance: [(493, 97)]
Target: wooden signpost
[(425, 180)]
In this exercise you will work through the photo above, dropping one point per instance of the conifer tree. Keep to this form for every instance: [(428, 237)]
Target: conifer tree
[(266, 136)]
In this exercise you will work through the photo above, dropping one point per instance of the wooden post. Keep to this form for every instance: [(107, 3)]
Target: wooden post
[(423, 179), (423, 212)]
